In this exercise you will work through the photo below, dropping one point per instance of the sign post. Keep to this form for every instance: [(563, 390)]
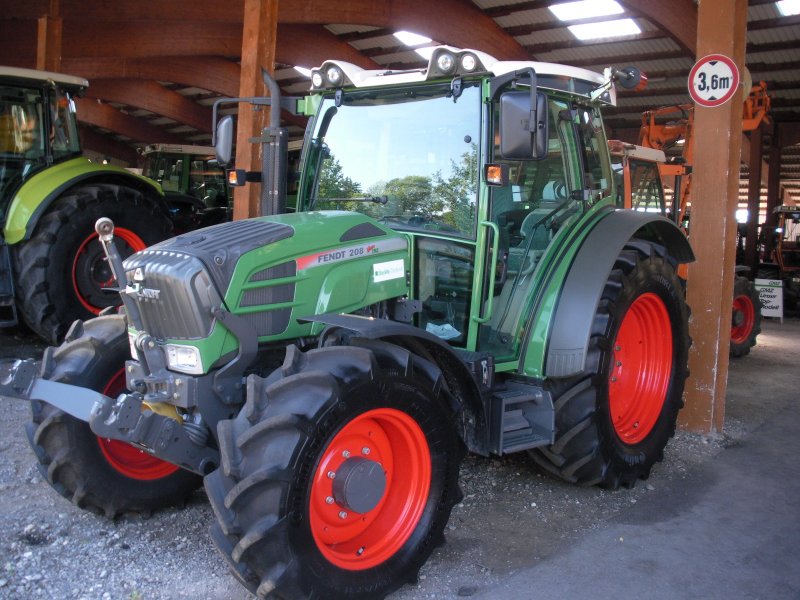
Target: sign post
[(713, 80)]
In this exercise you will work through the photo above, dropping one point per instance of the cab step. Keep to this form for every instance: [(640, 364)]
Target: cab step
[(522, 418)]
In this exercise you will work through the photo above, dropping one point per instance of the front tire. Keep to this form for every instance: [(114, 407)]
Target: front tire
[(61, 270), (745, 317), (105, 476), (339, 474), (614, 420)]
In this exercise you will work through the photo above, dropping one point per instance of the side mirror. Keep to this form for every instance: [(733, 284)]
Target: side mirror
[(223, 146), (523, 127)]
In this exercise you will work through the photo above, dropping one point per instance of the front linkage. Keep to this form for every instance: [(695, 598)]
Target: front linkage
[(142, 417)]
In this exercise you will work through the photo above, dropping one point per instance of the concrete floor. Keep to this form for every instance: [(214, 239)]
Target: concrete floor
[(730, 530)]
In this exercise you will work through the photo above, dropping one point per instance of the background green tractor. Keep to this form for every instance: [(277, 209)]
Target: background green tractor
[(456, 277), (195, 186), (52, 269)]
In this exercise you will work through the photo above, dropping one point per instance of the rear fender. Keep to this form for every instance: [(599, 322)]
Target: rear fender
[(37, 194), (572, 322)]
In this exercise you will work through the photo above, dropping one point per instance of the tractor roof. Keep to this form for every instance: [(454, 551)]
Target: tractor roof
[(549, 75), (39, 77)]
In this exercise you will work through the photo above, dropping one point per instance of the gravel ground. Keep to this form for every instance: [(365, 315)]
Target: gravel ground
[(511, 517)]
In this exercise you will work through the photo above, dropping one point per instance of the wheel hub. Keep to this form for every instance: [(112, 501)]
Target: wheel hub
[(738, 318), (359, 484)]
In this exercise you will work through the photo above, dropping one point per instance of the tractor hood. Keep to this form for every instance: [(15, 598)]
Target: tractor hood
[(269, 271)]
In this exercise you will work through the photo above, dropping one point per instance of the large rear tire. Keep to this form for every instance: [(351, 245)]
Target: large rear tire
[(339, 474), (745, 317), (614, 420), (104, 476), (61, 270)]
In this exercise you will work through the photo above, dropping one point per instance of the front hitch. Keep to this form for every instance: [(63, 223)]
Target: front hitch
[(122, 419)]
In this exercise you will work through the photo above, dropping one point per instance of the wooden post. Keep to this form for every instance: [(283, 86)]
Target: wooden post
[(48, 39), (722, 27), (754, 200), (258, 51), (773, 190)]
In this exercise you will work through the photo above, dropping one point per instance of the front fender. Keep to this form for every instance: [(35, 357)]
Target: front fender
[(36, 195), (571, 325)]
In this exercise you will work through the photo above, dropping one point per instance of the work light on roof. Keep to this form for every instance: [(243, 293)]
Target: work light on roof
[(446, 62), (334, 75), (469, 62)]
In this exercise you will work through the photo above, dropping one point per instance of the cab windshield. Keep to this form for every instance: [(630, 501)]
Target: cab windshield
[(407, 158)]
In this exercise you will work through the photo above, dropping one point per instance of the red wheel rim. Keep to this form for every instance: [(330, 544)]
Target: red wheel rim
[(126, 459), (90, 270), (356, 541), (744, 319), (640, 373)]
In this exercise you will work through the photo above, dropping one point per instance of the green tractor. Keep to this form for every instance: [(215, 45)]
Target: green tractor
[(195, 186), (52, 267), (456, 277)]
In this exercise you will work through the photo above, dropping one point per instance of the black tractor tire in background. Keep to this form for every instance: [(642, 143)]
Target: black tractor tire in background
[(105, 476), (374, 420), (614, 420), (745, 317), (61, 269)]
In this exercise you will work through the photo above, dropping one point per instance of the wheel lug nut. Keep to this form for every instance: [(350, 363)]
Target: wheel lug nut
[(329, 500), (617, 348), (346, 453), (613, 380), (619, 363), (342, 515), (365, 450), (331, 475)]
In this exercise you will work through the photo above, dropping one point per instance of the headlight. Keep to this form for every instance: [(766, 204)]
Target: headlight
[(316, 79), (185, 359)]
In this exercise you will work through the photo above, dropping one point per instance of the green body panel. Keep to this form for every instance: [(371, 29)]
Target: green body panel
[(547, 290), (331, 275), (36, 193)]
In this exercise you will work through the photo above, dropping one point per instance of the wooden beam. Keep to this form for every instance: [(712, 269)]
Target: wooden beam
[(20, 41), (48, 39), (105, 116), (212, 73), (311, 45), (139, 39), (718, 132), (258, 52), (754, 199), (678, 18), (107, 146), (154, 97)]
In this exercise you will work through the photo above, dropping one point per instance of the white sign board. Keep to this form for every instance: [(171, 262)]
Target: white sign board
[(713, 80), (770, 292)]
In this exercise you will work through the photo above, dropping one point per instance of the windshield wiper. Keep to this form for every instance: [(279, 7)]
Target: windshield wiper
[(375, 199)]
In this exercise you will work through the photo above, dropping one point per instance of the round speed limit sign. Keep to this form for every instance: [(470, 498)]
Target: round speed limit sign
[(713, 80)]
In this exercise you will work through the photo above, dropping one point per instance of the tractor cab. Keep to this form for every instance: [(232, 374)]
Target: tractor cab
[(38, 127)]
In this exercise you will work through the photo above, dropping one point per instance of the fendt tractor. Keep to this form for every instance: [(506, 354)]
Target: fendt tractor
[(457, 277), (52, 266)]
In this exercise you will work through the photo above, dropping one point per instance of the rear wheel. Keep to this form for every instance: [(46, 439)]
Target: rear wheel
[(339, 474), (614, 420), (745, 317), (105, 476), (62, 271)]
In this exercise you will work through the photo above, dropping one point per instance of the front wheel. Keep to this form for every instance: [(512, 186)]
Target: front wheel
[(339, 474), (105, 476), (62, 272), (614, 420)]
